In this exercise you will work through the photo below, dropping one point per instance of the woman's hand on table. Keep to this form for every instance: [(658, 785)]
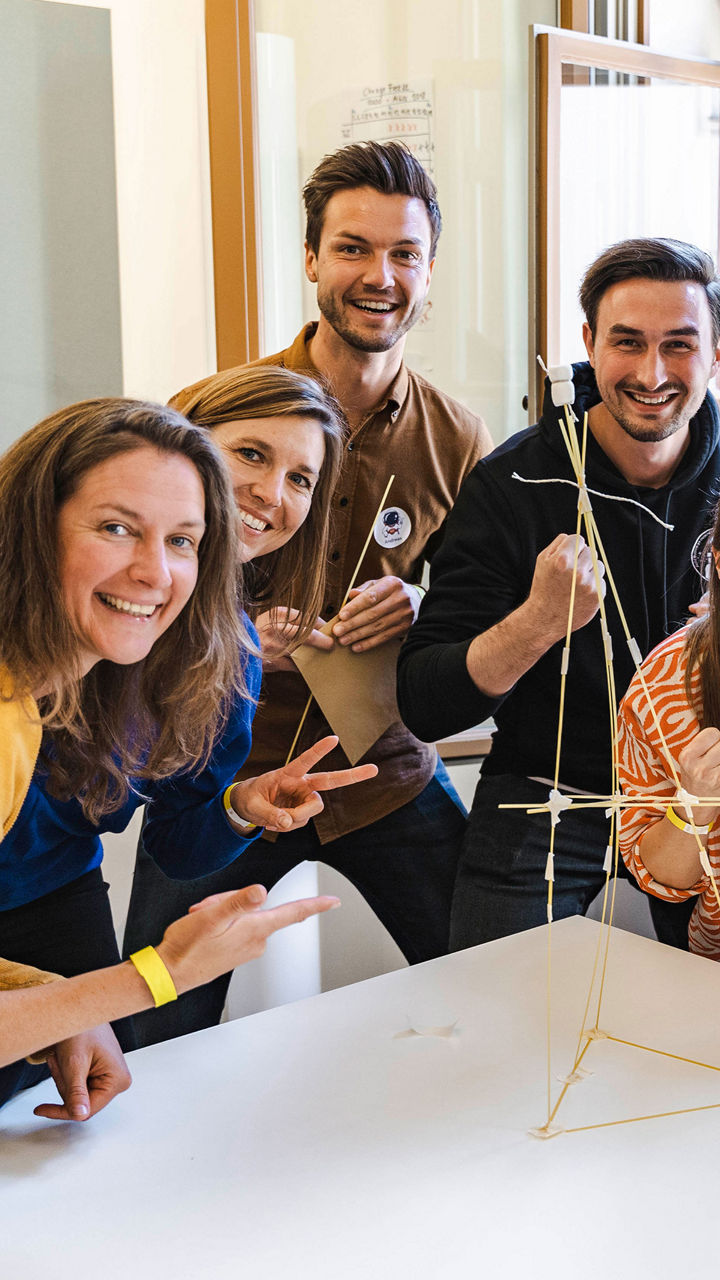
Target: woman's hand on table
[(216, 935), (89, 1070), (289, 797)]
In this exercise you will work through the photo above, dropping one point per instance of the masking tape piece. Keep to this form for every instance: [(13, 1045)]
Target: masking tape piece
[(546, 1131)]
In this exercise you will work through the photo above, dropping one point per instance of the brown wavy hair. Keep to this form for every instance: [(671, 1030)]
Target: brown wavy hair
[(294, 574), (152, 718), (702, 647), (387, 167)]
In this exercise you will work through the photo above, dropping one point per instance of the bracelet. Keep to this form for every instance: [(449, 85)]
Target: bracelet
[(671, 816), (243, 828), (154, 971)]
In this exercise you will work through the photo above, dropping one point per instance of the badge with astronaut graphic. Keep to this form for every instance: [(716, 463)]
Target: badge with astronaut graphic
[(392, 527)]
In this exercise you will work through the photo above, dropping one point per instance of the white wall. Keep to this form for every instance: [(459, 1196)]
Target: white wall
[(163, 184), (692, 27), (60, 338)]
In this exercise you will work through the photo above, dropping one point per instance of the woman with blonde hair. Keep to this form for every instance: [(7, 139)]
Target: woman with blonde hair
[(128, 673)]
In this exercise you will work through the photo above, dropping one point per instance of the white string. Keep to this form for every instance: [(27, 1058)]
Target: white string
[(611, 497)]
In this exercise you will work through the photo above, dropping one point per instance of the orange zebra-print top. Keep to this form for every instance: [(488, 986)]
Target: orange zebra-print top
[(644, 771)]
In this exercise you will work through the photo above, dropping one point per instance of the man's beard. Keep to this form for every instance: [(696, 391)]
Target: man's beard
[(337, 318), (651, 433), (645, 429)]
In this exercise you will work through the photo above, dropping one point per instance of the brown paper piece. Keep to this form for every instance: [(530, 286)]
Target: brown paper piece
[(355, 691)]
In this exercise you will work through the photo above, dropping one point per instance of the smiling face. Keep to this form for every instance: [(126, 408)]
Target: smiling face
[(373, 266), (128, 541), (274, 467), (653, 354)]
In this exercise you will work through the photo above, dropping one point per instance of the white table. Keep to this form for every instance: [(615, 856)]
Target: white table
[(309, 1141)]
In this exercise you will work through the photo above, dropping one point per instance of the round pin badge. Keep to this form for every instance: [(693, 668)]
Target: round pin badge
[(392, 527)]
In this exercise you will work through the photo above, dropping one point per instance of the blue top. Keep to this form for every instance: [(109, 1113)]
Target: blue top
[(187, 832)]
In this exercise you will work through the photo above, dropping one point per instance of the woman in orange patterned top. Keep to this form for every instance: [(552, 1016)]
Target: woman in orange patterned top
[(678, 722)]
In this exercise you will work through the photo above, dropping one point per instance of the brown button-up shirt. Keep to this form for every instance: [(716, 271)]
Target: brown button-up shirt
[(429, 442)]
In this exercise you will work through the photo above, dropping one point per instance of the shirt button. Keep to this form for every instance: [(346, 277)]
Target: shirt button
[(343, 502), (335, 555), (351, 446)]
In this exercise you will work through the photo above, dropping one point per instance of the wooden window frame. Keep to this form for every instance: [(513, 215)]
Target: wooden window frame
[(550, 50), (575, 16)]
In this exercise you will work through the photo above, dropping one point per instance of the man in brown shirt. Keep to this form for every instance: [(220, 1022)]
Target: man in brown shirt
[(372, 230)]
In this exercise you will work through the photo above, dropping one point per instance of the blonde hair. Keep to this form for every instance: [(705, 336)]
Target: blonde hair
[(294, 574), (151, 718)]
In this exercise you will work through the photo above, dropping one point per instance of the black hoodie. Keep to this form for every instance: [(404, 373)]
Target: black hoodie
[(484, 570)]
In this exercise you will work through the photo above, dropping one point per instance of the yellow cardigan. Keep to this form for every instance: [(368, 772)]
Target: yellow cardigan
[(20, 735)]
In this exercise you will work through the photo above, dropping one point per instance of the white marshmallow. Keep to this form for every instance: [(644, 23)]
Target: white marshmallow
[(562, 393)]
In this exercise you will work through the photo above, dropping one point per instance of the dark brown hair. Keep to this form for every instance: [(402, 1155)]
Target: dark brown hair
[(702, 647), (387, 167), (294, 574), (152, 718), (648, 259)]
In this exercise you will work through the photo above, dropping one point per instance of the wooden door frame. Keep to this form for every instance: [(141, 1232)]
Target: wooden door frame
[(550, 50), (234, 182)]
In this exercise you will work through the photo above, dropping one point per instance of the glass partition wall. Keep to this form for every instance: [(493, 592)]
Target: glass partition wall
[(454, 87)]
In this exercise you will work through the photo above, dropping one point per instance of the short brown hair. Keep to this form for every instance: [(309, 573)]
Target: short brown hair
[(387, 167), (294, 574), (650, 259), (151, 718)]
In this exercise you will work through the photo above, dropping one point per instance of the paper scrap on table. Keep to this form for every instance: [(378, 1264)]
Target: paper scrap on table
[(355, 691)]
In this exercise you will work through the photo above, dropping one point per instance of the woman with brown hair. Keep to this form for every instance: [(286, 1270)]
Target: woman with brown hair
[(669, 751), (122, 646)]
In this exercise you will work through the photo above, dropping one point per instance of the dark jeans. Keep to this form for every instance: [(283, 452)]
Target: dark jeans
[(501, 886), (68, 931), (404, 865)]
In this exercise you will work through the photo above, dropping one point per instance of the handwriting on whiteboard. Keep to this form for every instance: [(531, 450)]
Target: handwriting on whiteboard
[(393, 112)]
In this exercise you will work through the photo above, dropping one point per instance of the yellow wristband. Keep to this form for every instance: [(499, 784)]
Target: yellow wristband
[(243, 828), (671, 816), (152, 969)]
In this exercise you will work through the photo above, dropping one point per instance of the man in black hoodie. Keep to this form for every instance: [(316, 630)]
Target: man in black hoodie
[(490, 634)]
